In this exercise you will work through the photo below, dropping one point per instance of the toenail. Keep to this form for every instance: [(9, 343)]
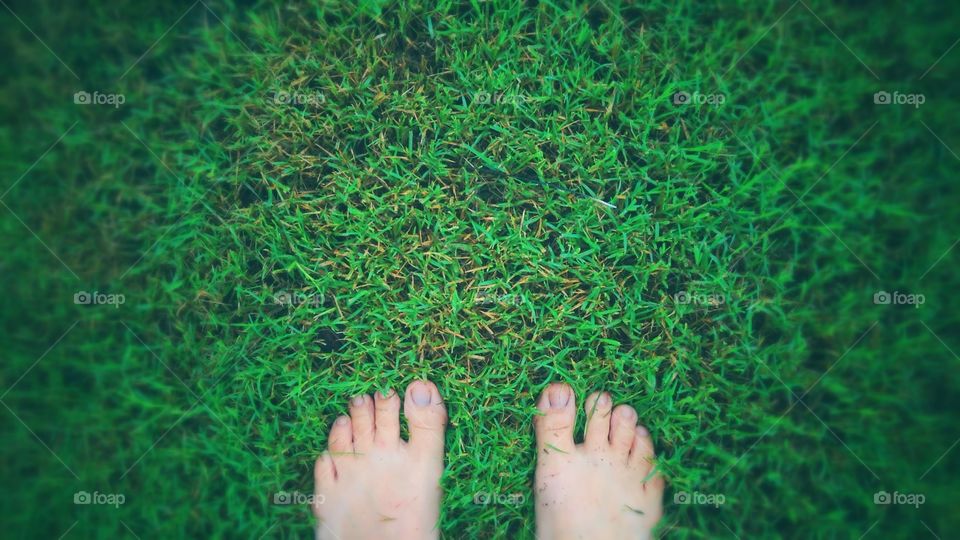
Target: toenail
[(642, 431), (386, 393), (627, 413), (420, 394), (342, 420), (357, 401), (559, 397), (604, 399)]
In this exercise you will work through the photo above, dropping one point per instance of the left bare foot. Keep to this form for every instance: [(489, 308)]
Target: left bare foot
[(371, 483)]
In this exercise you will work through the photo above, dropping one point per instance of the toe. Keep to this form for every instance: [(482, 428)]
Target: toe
[(426, 417), (554, 427), (597, 407), (655, 486), (341, 436), (324, 475), (623, 423), (641, 454), (324, 471), (387, 419), (361, 417)]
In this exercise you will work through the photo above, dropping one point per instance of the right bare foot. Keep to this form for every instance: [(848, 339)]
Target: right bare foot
[(598, 489), (373, 484)]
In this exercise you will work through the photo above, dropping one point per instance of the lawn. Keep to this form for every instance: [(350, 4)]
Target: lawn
[(219, 220)]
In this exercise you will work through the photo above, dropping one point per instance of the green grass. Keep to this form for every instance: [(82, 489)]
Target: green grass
[(493, 246)]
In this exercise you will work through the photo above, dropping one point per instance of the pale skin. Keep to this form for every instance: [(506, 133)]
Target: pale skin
[(372, 484)]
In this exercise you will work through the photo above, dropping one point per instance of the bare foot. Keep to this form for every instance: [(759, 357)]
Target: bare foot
[(598, 489), (370, 483)]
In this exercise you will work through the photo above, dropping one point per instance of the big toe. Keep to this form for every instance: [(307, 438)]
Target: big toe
[(554, 427), (426, 417)]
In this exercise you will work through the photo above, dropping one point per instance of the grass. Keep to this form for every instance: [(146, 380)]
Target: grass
[(494, 195)]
